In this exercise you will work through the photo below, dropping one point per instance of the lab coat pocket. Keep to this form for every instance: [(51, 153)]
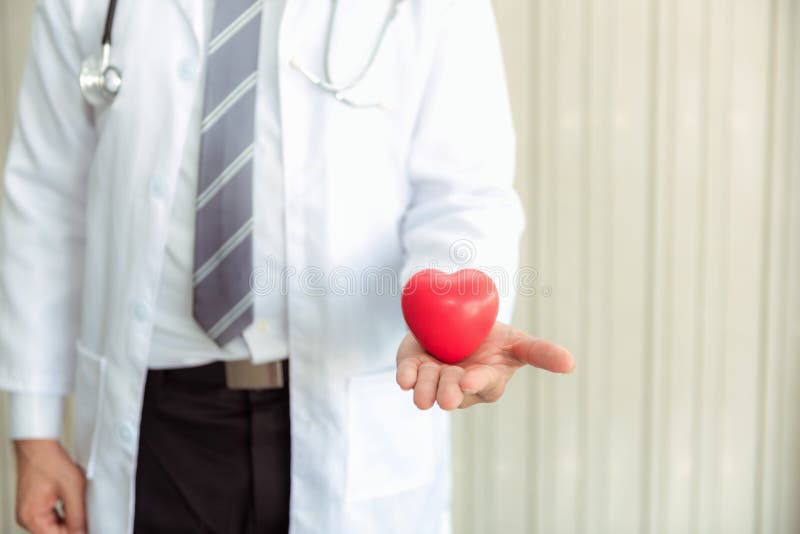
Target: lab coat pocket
[(390, 447), (89, 391)]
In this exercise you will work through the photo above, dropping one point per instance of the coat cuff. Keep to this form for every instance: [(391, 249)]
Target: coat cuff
[(36, 415)]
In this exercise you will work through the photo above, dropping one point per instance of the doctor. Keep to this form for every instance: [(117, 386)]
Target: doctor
[(209, 259)]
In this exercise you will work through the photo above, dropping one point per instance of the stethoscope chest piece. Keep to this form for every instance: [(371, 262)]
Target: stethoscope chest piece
[(99, 80)]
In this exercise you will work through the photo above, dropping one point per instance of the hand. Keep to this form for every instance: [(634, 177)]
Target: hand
[(483, 375), (46, 475)]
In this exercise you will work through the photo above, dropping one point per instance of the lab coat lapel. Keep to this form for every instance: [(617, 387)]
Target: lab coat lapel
[(178, 89), (192, 11)]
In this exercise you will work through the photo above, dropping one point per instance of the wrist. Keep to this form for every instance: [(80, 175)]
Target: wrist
[(27, 445)]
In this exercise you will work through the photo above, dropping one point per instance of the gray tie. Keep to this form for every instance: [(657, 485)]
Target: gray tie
[(223, 301)]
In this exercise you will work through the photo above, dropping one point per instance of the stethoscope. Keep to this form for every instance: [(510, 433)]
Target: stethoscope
[(339, 90), (101, 81)]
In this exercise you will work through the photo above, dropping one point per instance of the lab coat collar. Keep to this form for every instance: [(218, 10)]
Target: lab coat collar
[(192, 11)]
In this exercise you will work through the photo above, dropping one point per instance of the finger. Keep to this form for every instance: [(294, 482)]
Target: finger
[(407, 372), (73, 499), (37, 514), (427, 384), (449, 395), (410, 354), (409, 348), (44, 524), (470, 399), (483, 381), (47, 523), (543, 354)]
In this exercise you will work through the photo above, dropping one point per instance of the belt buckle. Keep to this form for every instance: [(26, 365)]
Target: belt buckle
[(244, 374)]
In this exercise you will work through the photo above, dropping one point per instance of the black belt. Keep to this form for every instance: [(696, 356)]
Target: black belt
[(238, 374)]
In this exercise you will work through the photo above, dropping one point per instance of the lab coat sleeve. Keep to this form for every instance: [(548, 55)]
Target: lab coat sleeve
[(464, 211), (42, 213), (35, 415)]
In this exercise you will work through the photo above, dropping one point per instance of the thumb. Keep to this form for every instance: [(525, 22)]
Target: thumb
[(73, 497), (543, 354)]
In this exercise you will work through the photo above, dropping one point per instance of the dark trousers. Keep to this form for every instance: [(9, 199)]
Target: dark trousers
[(212, 460)]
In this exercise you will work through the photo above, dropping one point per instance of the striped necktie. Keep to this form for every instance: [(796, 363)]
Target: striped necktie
[(223, 300)]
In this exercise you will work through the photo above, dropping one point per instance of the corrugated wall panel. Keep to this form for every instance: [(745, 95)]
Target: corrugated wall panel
[(15, 18)]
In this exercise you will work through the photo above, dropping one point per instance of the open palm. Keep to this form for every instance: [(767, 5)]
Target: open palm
[(483, 375)]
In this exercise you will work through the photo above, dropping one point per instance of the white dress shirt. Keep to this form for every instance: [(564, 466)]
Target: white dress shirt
[(178, 341)]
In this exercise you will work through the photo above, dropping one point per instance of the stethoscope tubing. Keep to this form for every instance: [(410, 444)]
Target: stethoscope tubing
[(328, 83), (325, 82), (112, 9)]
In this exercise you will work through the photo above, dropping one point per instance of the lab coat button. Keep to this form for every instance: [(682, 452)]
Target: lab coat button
[(140, 311), (187, 70), (126, 433), (158, 186)]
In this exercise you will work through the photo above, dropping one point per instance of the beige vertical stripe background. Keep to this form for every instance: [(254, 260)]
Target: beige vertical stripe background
[(659, 163)]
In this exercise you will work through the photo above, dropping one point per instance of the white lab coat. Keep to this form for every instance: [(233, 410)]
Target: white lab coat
[(87, 197)]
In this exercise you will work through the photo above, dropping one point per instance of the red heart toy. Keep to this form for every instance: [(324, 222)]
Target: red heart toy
[(450, 314)]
